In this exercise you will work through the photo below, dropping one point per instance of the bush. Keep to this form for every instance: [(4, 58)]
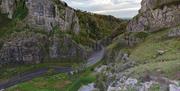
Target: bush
[(21, 10), (141, 35), (81, 81)]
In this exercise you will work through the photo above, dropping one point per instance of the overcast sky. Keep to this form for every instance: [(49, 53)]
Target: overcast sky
[(117, 8)]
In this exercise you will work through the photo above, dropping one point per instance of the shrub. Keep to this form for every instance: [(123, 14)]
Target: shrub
[(21, 10), (141, 35)]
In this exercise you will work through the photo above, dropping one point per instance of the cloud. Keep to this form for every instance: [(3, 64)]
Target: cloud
[(117, 8)]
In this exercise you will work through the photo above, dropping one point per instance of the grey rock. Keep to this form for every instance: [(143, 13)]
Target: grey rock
[(65, 47), (175, 32), (8, 7), (23, 48), (45, 14), (89, 87), (2, 89), (131, 82), (161, 52), (153, 18), (173, 87)]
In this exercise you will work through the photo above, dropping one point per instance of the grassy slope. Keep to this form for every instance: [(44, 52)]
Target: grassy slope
[(147, 51), (8, 72), (58, 82), (146, 55)]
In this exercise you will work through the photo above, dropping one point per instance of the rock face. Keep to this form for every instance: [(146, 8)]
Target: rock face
[(175, 32), (8, 7), (155, 15), (45, 14), (33, 47), (48, 14), (65, 48), (20, 49)]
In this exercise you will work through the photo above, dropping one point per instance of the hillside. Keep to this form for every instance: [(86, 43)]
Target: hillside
[(41, 39), (146, 56), (38, 37), (54, 22)]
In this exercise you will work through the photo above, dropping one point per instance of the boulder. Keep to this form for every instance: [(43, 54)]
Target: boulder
[(173, 87), (131, 82), (160, 52), (175, 32)]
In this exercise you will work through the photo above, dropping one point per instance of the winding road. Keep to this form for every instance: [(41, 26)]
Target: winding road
[(93, 59), (30, 75)]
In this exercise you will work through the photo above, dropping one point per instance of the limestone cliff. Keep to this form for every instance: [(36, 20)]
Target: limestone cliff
[(40, 30), (44, 14), (155, 15), (37, 40), (20, 49)]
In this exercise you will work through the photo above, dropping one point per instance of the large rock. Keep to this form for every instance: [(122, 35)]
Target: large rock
[(45, 14), (155, 15), (8, 7), (175, 32), (48, 14), (24, 47), (173, 87), (30, 48), (65, 47)]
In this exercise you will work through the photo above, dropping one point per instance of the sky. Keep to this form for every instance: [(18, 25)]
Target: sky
[(117, 8)]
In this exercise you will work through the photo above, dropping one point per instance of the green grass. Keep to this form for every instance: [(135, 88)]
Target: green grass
[(46, 83), (169, 69), (147, 51), (58, 82), (155, 87), (8, 72), (148, 60), (81, 81)]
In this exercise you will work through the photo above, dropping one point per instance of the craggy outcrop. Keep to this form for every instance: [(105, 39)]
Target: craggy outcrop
[(24, 47), (8, 7), (155, 15), (48, 14), (30, 48), (42, 17), (44, 14), (65, 47)]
